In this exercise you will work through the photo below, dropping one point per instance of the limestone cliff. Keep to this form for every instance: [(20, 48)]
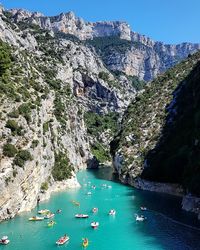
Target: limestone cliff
[(140, 56), (47, 83)]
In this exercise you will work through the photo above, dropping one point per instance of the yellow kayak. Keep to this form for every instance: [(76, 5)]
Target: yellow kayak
[(85, 242), (51, 223), (36, 218)]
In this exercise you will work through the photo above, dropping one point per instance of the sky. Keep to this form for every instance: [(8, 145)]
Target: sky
[(169, 21)]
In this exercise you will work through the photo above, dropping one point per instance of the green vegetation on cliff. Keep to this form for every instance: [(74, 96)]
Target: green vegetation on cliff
[(107, 44), (98, 123), (9, 150), (102, 128), (145, 122), (62, 168), (14, 127), (177, 155), (100, 151), (21, 157), (5, 58)]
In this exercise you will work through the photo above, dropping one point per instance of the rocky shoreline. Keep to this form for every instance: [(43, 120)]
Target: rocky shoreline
[(168, 188), (27, 206), (60, 186), (191, 204)]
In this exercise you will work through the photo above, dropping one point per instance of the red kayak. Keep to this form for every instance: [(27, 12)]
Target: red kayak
[(62, 240)]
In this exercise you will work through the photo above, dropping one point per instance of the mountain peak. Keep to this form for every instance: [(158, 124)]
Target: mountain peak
[(25, 13)]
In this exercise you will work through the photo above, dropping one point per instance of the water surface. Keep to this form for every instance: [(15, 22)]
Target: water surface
[(165, 228)]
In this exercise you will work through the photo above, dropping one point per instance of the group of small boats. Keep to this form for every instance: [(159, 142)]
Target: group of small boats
[(94, 210), (46, 214), (94, 224), (103, 186), (64, 239), (106, 186), (141, 217)]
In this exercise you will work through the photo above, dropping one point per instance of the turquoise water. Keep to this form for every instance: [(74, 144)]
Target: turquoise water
[(164, 229)]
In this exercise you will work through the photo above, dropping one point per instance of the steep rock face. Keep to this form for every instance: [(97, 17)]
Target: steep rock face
[(178, 147), (141, 56), (144, 57), (48, 83), (159, 138), (144, 121)]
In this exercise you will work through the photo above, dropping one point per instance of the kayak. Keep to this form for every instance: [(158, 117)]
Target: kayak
[(43, 211), (95, 210), (85, 242), (51, 223), (4, 240), (49, 216), (36, 218), (140, 217), (62, 240), (83, 216), (94, 224), (112, 212)]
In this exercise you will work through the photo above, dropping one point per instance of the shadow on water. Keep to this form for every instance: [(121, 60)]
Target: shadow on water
[(105, 173), (167, 224), (173, 227)]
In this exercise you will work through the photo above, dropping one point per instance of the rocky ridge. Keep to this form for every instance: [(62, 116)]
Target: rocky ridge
[(141, 57)]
